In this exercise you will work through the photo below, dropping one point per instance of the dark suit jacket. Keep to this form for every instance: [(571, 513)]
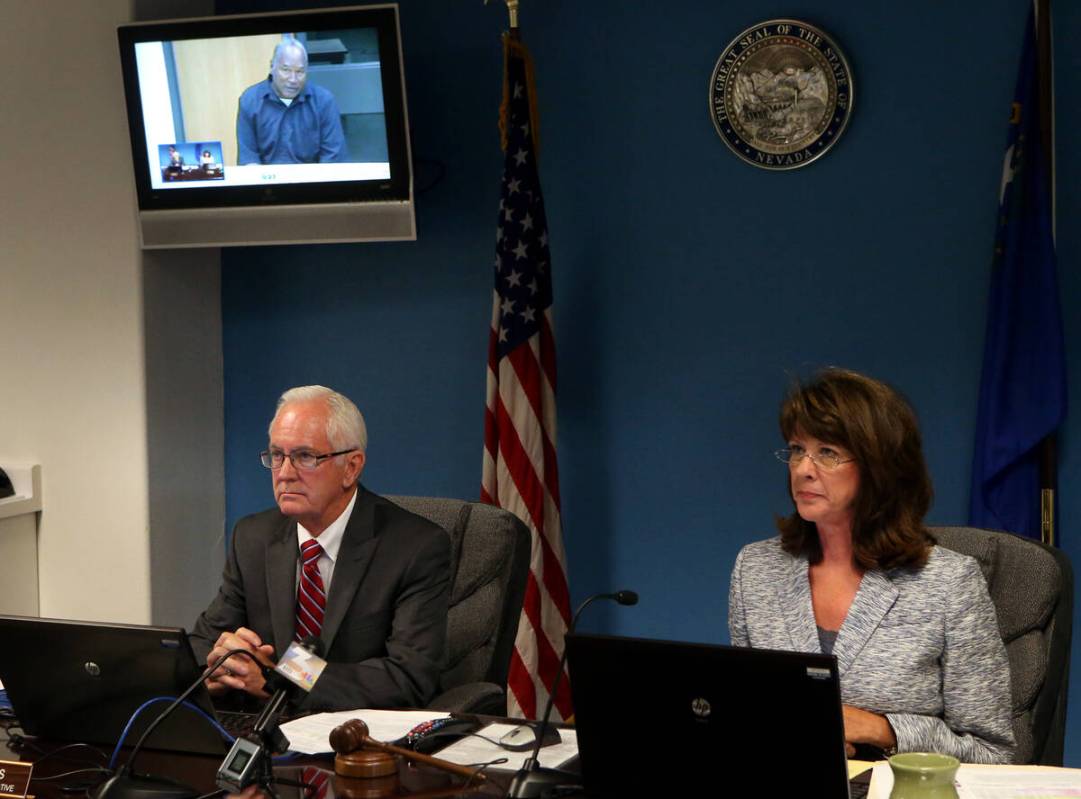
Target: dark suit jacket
[(386, 614)]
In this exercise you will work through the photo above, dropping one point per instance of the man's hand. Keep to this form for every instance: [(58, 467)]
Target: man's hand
[(239, 672), (864, 727)]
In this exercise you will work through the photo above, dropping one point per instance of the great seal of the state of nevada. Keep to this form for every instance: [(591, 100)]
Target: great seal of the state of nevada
[(781, 94)]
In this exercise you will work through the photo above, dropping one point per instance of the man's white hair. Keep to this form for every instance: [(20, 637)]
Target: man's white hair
[(288, 41), (345, 424)]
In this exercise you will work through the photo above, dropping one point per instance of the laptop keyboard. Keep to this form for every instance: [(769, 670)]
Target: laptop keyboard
[(236, 723)]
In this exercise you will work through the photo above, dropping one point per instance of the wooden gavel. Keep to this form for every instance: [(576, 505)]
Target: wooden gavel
[(355, 748)]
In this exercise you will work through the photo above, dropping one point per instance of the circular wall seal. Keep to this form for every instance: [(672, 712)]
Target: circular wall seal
[(781, 94)]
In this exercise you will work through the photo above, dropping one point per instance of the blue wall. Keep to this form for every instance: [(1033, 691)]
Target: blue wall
[(689, 285)]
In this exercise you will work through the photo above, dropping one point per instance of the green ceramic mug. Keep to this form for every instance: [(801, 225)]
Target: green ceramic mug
[(923, 775)]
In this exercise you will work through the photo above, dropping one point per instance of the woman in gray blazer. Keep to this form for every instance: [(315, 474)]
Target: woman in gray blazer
[(856, 574)]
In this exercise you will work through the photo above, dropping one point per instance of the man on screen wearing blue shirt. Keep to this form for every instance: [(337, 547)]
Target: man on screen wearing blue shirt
[(283, 120)]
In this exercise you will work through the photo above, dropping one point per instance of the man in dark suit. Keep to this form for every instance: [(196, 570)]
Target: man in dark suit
[(374, 584)]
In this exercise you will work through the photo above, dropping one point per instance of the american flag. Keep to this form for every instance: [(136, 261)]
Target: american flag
[(520, 472)]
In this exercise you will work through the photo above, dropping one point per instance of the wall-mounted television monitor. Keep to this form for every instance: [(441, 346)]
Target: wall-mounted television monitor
[(277, 128)]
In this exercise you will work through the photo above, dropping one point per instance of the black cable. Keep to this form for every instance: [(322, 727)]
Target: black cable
[(63, 774), (492, 741), (128, 766), (7, 725), (20, 743), (55, 752), (480, 769), (83, 786)]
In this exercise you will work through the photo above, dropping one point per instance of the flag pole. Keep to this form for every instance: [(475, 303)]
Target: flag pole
[(1048, 447)]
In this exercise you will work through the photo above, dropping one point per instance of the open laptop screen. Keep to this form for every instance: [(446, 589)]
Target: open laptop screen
[(81, 681)]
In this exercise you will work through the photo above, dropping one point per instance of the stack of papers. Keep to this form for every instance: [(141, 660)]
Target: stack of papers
[(311, 736), (996, 782), (473, 750)]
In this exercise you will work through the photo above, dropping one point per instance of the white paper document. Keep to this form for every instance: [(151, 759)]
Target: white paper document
[(474, 750), (996, 782), (311, 734)]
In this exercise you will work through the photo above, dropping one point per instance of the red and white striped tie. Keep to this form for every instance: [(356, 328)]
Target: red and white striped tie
[(311, 597), (316, 782)]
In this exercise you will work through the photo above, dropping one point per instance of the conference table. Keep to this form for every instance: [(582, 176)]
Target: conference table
[(198, 771)]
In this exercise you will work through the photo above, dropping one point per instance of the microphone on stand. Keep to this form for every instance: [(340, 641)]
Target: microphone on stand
[(533, 779), (127, 784), (248, 761)]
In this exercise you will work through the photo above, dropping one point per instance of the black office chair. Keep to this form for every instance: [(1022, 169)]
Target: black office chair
[(1032, 588), (489, 566)]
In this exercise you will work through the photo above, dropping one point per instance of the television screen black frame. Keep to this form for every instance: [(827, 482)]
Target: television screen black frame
[(278, 201)]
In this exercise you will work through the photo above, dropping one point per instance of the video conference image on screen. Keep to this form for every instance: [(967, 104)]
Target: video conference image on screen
[(289, 107)]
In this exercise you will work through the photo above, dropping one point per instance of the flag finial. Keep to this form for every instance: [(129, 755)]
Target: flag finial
[(512, 11)]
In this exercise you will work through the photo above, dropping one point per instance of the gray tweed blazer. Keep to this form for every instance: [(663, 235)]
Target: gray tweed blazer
[(919, 646)]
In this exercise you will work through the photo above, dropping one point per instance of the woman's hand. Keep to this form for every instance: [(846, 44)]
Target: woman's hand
[(864, 727)]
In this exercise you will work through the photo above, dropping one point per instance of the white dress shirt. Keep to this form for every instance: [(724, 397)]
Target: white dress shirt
[(330, 540)]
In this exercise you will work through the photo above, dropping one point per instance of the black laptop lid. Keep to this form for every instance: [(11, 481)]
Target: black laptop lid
[(81, 681), (653, 715)]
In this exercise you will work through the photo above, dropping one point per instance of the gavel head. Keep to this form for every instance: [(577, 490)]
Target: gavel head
[(349, 737)]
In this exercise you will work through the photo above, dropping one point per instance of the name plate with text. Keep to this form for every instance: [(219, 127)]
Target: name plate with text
[(14, 779)]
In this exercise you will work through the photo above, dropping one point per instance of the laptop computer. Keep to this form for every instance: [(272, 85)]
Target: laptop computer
[(81, 681), (654, 715)]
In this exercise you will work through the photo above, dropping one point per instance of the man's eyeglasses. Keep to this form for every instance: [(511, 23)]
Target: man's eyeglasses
[(828, 460), (301, 459)]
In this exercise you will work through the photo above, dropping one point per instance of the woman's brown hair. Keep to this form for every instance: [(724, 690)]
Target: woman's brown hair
[(879, 428)]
